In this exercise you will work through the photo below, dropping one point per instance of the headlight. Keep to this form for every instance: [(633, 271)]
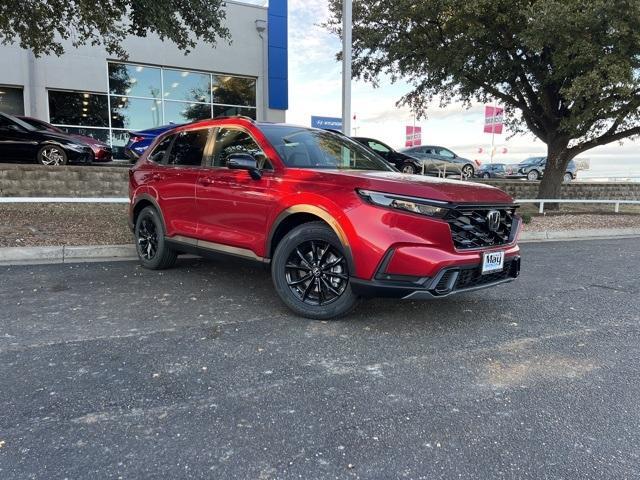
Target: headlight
[(431, 208), (74, 146)]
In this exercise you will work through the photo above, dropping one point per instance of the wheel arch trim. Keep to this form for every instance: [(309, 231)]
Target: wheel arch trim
[(322, 215), (145, 197)]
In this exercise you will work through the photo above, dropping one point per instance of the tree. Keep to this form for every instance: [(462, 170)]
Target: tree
[(567, 70), (43, 25)]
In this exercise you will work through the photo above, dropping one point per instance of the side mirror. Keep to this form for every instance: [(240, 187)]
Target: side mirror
[(244, 161)]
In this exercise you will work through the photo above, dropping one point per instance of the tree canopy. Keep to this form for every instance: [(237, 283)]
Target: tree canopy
[(566, 70), (43, 25)]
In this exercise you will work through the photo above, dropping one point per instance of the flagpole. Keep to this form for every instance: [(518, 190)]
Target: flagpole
[(493, 129), (346, 65)]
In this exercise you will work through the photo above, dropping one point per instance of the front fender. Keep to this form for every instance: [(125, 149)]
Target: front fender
[(322, 208)]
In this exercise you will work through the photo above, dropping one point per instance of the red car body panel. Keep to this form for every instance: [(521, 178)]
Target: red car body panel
[(228, 207)]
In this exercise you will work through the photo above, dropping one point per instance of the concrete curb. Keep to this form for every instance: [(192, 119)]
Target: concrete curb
[(584, 234), (109, 253), (66, 254)]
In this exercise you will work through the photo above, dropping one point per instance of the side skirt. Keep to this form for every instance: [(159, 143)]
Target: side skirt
[(214, 250)]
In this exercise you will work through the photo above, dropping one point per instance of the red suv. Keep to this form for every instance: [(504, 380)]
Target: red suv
[(332, 219)]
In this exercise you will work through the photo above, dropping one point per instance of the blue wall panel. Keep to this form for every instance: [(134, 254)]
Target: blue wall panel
[(278, 55)]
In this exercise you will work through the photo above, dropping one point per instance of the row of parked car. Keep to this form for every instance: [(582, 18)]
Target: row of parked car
[(32, 140), (532, 169)]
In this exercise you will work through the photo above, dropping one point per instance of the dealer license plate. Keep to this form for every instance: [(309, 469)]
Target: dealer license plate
[(492, 262)]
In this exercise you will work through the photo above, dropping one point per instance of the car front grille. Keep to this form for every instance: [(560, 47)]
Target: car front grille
[(470, 229)]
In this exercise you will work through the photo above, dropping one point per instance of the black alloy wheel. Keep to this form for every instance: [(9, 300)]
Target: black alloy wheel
[(467, 171), (147, 239), (153, 251), (315, 273), (310, 272)]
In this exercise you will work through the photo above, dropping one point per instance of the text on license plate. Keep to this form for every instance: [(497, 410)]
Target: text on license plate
[(492, 262)]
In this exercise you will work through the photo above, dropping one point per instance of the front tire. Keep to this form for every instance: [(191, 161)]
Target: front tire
[(486, 175), (533, 175), (409, 168), (567, 177), (52, 156), (311, 274), (153, 251)]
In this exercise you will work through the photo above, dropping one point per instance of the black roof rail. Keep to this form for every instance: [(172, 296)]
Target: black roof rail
[(224, 117)]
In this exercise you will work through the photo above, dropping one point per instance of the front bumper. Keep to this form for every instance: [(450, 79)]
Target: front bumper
[(448, 281)]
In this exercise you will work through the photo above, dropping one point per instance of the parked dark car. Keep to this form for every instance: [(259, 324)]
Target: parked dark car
[(434, 160), (533, 169), (492, 170), (101, 151), (21, 142), (139, 141), (392, 156)]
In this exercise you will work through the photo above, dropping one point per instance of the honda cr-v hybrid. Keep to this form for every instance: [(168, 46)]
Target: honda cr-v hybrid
[(329, 217)]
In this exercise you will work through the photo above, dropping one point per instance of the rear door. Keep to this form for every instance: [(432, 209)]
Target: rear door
[(233, 208), (179, 158)]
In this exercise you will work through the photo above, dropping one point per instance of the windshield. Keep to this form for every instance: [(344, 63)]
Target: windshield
[(531, 160), (301, 147), (17, 121)]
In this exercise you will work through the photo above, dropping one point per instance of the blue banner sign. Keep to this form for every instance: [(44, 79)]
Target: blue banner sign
[(327, 123)]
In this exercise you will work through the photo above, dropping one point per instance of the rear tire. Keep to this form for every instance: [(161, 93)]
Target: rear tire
[(153, 251), (567, 177), (310, 273)]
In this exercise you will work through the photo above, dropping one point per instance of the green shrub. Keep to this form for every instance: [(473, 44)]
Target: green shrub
[(526, 218)]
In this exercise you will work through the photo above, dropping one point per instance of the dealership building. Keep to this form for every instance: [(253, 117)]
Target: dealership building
[(86, 91)]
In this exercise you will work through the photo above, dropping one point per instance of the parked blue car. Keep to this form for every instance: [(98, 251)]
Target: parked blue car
[(140, 141)]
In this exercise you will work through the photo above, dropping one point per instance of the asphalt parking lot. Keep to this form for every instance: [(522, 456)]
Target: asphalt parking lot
[(111, 371)]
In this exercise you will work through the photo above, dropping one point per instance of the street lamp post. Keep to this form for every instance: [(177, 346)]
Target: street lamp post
[(346, 65)]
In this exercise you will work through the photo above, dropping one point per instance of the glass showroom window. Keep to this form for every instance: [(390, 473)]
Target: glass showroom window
[(83, 113), (143, 97), (11, 100)]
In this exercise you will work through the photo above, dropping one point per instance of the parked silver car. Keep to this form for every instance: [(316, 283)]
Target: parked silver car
[(434, 160)]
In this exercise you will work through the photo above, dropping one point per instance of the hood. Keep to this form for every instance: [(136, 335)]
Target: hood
[(59, 137), (454, 191), (89, 140)]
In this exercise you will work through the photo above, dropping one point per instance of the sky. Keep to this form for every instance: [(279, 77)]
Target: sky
[(315, 89)]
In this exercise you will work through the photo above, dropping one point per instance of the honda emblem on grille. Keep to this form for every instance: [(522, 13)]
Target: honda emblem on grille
[(493, 220)]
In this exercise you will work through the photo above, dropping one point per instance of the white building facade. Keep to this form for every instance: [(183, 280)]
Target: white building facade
[(86, 91)]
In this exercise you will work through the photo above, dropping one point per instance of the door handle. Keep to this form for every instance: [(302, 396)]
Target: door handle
[(205, 181)]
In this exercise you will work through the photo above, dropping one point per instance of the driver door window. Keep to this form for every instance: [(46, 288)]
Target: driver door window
[(230, 141)]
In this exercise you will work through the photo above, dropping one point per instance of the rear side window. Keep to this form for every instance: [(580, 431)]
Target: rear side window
[(160, 151), (188, 149)]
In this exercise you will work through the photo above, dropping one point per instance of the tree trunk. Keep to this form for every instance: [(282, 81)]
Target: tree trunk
[(558, 159)]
